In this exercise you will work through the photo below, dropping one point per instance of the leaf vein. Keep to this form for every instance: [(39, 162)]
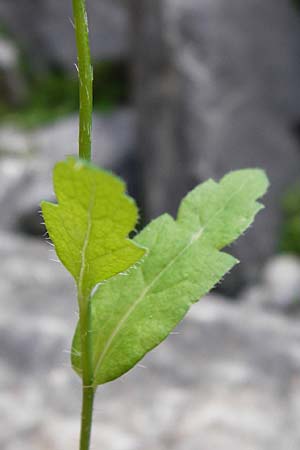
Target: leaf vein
[(196, 236)]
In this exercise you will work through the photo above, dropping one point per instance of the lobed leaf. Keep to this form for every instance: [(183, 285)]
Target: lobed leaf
[(90, 224), (132, 314)]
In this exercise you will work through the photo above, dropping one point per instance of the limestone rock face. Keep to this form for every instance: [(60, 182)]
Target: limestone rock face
[(217, 88)]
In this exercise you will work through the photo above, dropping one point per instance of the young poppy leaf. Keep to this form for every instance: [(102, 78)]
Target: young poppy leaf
[(90, 224), (132, 314)]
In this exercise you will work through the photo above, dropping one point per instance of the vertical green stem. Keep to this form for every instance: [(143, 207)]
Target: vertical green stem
[(86, 418), (85, 73), (87, 373)]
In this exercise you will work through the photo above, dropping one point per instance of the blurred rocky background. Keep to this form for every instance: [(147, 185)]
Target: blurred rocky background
[(184, 91)]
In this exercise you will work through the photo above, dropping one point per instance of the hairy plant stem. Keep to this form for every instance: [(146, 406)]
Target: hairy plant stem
[(85, 73), (88, 391)]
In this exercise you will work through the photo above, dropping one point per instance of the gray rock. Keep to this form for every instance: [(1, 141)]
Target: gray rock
[(29, 267), (12, 85), (228, 377), (14, 142), (27, 159), (8, 55), (217, 88), (50, 26), (279, 288)]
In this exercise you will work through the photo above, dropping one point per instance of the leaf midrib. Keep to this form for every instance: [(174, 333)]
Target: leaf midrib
[(196, 236), (83, 263)]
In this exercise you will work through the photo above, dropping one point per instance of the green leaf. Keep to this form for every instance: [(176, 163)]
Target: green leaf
[(90, 223), (132, 314)]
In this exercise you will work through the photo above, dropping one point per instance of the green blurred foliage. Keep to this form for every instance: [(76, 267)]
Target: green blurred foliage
[(290, 233), (296, 3), (55, 94), (111, 85), (49, 96)]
